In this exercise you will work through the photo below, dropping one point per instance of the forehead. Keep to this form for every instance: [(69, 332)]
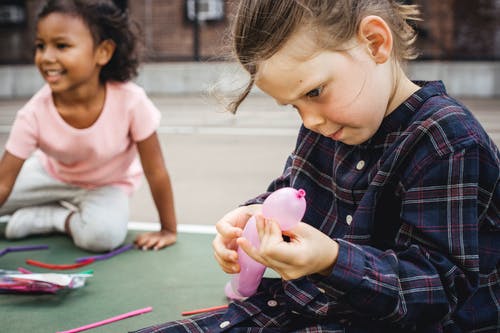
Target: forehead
[(291, 68), (62, 25), (300, 47)]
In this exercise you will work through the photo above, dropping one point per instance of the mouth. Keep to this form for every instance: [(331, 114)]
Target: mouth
[(337, 135), (52, 75)]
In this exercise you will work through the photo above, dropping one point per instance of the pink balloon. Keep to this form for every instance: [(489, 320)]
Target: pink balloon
[(285, 206)]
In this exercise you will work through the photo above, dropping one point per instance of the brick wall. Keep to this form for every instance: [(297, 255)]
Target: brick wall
[(168, 34), (452, 29), (459, 29)]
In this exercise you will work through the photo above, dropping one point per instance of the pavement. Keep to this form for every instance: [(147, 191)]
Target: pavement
[(218, 160)]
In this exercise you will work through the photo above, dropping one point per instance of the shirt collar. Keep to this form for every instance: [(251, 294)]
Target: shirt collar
[(402, 116)]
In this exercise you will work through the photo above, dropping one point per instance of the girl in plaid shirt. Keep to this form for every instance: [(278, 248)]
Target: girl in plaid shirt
[(402, 226)]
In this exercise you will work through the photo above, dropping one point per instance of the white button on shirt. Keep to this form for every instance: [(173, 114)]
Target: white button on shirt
[(272, 303), (360, 165), (224, 324), (348, 219)]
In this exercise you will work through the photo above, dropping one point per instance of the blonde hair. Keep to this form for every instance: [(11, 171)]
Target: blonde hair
[(262, 27)]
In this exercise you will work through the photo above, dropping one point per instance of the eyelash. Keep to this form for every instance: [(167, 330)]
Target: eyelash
[(315, 92)]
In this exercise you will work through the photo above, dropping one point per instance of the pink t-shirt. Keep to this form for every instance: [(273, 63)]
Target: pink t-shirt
[(102, 154)]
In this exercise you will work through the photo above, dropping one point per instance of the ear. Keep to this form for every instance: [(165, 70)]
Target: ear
[(105, 51), (377, 36)]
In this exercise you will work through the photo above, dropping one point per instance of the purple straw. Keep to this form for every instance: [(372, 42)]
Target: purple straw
[(23, 248), (107, 255)]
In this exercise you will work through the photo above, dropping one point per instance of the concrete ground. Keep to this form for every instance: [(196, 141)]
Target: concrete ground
[(218, 160)]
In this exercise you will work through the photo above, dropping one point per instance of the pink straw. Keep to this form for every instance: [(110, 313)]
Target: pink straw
[(109, 320)]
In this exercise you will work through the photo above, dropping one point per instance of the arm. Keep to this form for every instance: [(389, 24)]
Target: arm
[(161, 189), (430, 271), (10, 166), (433, 266)]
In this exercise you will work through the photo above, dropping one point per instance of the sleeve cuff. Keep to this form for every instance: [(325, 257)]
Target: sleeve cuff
[(347, 272)]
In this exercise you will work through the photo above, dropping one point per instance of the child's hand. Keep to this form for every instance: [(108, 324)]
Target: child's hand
[(155, 240), (309, 250), (229, 228)]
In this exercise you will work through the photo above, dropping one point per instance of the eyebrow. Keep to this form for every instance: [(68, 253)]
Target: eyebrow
[(311, 85)]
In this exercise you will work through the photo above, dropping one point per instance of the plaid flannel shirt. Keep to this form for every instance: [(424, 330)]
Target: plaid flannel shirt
[(416, 212)]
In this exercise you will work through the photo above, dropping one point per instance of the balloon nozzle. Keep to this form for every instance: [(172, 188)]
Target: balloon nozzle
[(301, 193)]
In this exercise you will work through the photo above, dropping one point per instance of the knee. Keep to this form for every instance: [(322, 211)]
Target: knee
[(98, 237)]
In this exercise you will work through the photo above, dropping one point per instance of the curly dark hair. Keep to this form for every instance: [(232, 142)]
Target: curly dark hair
[(105, 21)]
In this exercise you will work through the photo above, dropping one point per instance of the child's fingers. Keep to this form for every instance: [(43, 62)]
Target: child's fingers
[(163, 242), (260, 224), (148, 244), (154, 240), (268, 229), (249, 249), (224, 248), (141, 240), (227, 231), (230, 267), (226, 257), (272, 246), (227, 260), (271, 234)]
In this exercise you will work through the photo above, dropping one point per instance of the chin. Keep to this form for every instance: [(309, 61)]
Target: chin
[(57, 87), (353, 141)]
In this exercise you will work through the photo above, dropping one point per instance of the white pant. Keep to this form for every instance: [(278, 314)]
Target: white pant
[(100, 218)]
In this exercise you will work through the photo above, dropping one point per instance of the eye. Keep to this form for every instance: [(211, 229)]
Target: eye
[(315, 92), (39, 46), (62, 46)]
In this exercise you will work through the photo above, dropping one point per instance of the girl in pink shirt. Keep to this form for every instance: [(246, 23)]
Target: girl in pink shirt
[(71, 157)]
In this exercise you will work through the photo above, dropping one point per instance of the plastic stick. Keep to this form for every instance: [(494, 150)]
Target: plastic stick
[(57, 266), (213, 308), (107, 255), (24, 270), (23, 248), (109, 320)]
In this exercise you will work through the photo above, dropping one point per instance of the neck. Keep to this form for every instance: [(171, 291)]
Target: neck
[(85, 96), (403, 88)]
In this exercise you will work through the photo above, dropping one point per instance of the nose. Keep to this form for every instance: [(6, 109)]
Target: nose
[(47, 54), (312, 120)]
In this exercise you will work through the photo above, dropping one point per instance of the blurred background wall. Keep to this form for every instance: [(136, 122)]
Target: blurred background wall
[(186, 45)]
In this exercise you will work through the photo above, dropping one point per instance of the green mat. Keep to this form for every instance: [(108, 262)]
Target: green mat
[(179, 278)]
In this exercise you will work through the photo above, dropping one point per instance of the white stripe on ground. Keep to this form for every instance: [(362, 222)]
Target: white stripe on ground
[(186, 228)]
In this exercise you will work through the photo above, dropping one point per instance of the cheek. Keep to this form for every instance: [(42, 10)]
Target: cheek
[(362, 111), (342, 105), (371, 101), (37, 57)]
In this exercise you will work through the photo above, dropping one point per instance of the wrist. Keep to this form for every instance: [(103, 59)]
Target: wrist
[(167, 229), (330, 259)]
